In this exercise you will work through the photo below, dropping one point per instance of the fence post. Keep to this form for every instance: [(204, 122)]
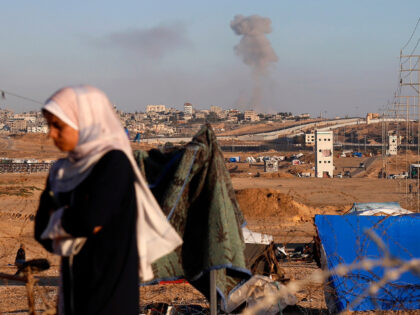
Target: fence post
[(213, 294)]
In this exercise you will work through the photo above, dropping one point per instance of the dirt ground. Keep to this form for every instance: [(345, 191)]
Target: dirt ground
[(280, 204)]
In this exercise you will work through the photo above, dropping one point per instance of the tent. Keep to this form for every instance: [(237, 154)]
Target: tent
[(344, 241)]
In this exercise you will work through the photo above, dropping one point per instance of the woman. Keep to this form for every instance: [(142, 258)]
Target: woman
[(97, 211)]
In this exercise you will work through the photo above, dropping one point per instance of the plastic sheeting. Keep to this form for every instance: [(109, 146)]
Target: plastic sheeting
[(255, 290), (378, 208), (344, 241), (252, 237)]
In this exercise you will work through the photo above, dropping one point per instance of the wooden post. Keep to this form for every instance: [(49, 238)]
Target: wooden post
[(30, 292), (213, 293)]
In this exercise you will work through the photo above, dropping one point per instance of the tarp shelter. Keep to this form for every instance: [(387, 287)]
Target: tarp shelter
[(255, 245), (194, 189), (251, 237), (344, 241), (378, 208)]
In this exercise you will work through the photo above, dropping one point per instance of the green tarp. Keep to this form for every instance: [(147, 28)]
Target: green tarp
[(194, 189)]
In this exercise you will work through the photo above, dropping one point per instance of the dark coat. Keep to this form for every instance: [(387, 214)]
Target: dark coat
[(103, 277)]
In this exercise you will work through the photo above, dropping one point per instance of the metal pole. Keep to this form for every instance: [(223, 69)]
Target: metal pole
[(213, 294), (418, 130), (365, 144)]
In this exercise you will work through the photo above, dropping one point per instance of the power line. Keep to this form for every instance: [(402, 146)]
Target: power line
[(412, 51), (412, 34), (3, 92)]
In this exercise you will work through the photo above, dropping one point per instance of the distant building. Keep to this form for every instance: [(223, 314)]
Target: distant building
[(216, 109), (310, 139), (5, 114), (37, 129), (232, 118), (251, 115), (26, 116), (155, 108), (17, 125), (324, 158), (370, 116), (304, 116), (200, 115), (278, 117), (188, 109)]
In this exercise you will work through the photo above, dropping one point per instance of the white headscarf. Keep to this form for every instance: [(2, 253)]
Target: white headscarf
[(89, 111)]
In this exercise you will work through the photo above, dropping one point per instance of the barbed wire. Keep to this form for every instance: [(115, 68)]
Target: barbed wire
[(395, 268)]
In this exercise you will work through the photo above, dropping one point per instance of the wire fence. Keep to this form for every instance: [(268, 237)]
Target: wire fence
[(181, 298)]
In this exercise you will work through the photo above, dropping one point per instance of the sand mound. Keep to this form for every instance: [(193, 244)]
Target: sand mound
[(277, 175), (265, 202)]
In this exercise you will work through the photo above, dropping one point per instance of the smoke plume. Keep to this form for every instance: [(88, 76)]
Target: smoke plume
[(255, 49), (152, 42)]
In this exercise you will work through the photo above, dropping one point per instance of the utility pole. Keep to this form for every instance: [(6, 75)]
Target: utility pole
[(365, 144), (410, 77)]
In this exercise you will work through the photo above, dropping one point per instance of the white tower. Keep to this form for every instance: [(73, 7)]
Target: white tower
[(392, 145), (324, 158), (188, 109)]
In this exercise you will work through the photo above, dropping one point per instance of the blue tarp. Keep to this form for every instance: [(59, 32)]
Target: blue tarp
[(344, 241), (234, 159), (138, 137)]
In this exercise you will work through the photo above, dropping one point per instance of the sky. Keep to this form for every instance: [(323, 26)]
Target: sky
[(334, 58)]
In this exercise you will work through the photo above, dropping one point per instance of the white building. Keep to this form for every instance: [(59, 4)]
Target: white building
[(200, 115), (188, 109), (37, 129), (310, 139), (324, 157), (155, 108), (392, 145), (25, 116)]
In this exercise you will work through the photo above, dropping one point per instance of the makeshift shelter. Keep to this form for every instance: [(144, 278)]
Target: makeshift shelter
[(255, 290), (194, 190), (344, 241), (251, 237), (259, 252), (378, 208)]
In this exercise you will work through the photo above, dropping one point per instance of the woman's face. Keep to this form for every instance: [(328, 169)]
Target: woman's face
[(65, 137)]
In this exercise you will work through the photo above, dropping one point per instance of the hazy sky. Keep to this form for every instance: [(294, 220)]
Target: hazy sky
[(338, 57)]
